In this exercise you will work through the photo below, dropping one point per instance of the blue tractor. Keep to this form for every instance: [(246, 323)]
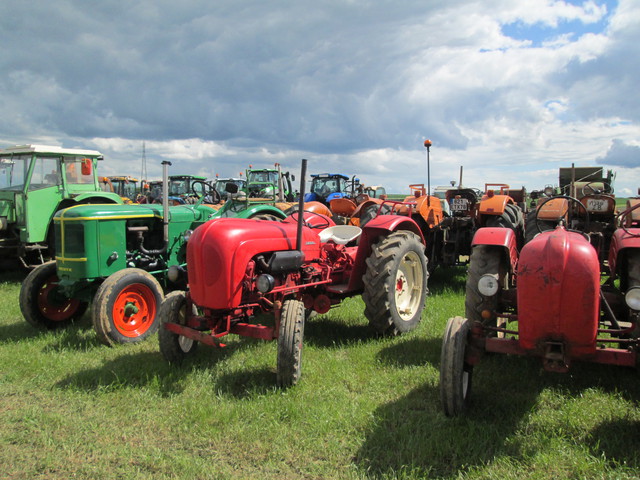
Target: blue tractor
[(330, 186)]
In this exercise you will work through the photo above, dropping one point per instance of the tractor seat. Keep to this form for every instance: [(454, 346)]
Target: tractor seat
[(340, 234)]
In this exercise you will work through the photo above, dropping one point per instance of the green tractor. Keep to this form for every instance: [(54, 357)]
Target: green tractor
[(35, 182), (122, 258), (269, 183)]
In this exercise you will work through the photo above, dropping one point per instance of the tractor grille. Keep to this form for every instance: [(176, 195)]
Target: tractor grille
[(71, 244)]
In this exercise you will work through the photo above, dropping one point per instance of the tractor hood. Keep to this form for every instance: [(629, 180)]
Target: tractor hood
[(114, 211), (219, 251), (558, 293)]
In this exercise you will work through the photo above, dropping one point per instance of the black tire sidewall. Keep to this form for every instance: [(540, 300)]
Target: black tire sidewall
[(169, 342), (28, 298), (105, 298), (381, 308)]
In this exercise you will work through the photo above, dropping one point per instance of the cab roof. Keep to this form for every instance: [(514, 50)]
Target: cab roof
[(329, 175), (49, 149)]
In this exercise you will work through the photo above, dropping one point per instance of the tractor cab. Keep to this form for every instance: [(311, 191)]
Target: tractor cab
[(268, 183), (329, 186)]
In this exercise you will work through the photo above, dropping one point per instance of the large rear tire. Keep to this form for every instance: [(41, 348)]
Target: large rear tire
[(512, 218), (530, 228), (265, 216), (290, 340), (125, 307), (485, 260), (395, 283), (43, 304), (173, 347), (455, 373)]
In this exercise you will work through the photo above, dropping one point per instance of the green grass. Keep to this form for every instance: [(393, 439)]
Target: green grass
[(366, 407)]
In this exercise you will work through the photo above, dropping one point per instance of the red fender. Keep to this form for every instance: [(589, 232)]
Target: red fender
[(620, 241), (500, 237)]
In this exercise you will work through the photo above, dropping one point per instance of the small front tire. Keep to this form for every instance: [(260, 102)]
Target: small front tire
[(455, 373), (290, 339), (173, 347), (125, 307)]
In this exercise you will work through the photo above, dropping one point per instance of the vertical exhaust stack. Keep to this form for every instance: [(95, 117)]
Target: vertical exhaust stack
[(280, 184), (427, 144), (303, 175), (165, 203)]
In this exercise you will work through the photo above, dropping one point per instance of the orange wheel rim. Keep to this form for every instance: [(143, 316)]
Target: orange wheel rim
[(54, 306), (134, 310)]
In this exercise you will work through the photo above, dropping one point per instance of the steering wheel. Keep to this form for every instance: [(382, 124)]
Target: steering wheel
[(209, 192), (566, 212), (595, 191), (325, 221), (622, 220)]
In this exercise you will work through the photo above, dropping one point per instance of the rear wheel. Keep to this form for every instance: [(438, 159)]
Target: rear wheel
[(511, 218), (173, 347), (485, 260), (265, 216), (371, 211), (125, 307), (531, 229), (43, 304), (290, 339), (395, 283), (455, 373)]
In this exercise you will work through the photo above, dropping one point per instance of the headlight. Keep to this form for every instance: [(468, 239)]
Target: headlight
[(488, 284), (187, 235), (265, 283), (174, 273), (632, 297)]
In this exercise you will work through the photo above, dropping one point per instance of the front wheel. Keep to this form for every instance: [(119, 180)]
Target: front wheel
[(173, 347), (125, 306), (290, 338), (455, 373), (395, 283), (43, 304)]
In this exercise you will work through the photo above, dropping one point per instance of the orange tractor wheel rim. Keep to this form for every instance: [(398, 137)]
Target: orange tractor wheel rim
[(53, 306), (134, 310)]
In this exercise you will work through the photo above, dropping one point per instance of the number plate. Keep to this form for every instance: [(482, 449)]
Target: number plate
[(459, 204), (597, 205)]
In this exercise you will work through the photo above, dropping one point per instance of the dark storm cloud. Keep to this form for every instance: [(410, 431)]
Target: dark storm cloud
[(621, 155), (301, 75)]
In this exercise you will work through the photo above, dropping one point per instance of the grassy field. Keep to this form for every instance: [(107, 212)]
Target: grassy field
[(366, 407)]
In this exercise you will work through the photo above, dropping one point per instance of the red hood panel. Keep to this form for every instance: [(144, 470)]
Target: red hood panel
[(558, 292)]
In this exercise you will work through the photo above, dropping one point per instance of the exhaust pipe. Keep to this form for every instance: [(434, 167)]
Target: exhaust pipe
[(303, 175), (165, 203)]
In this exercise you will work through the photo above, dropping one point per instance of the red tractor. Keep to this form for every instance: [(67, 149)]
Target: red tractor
[(548, 301), (241, 268)]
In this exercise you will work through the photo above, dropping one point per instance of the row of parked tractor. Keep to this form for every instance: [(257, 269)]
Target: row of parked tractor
[(553, 274)]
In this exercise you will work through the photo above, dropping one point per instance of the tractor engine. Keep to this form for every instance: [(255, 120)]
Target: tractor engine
[(558, 282)]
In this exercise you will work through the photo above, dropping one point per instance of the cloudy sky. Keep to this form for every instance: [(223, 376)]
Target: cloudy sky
[(510, 90)]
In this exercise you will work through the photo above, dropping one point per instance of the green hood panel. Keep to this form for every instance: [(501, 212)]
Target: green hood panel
[(180, 213)]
